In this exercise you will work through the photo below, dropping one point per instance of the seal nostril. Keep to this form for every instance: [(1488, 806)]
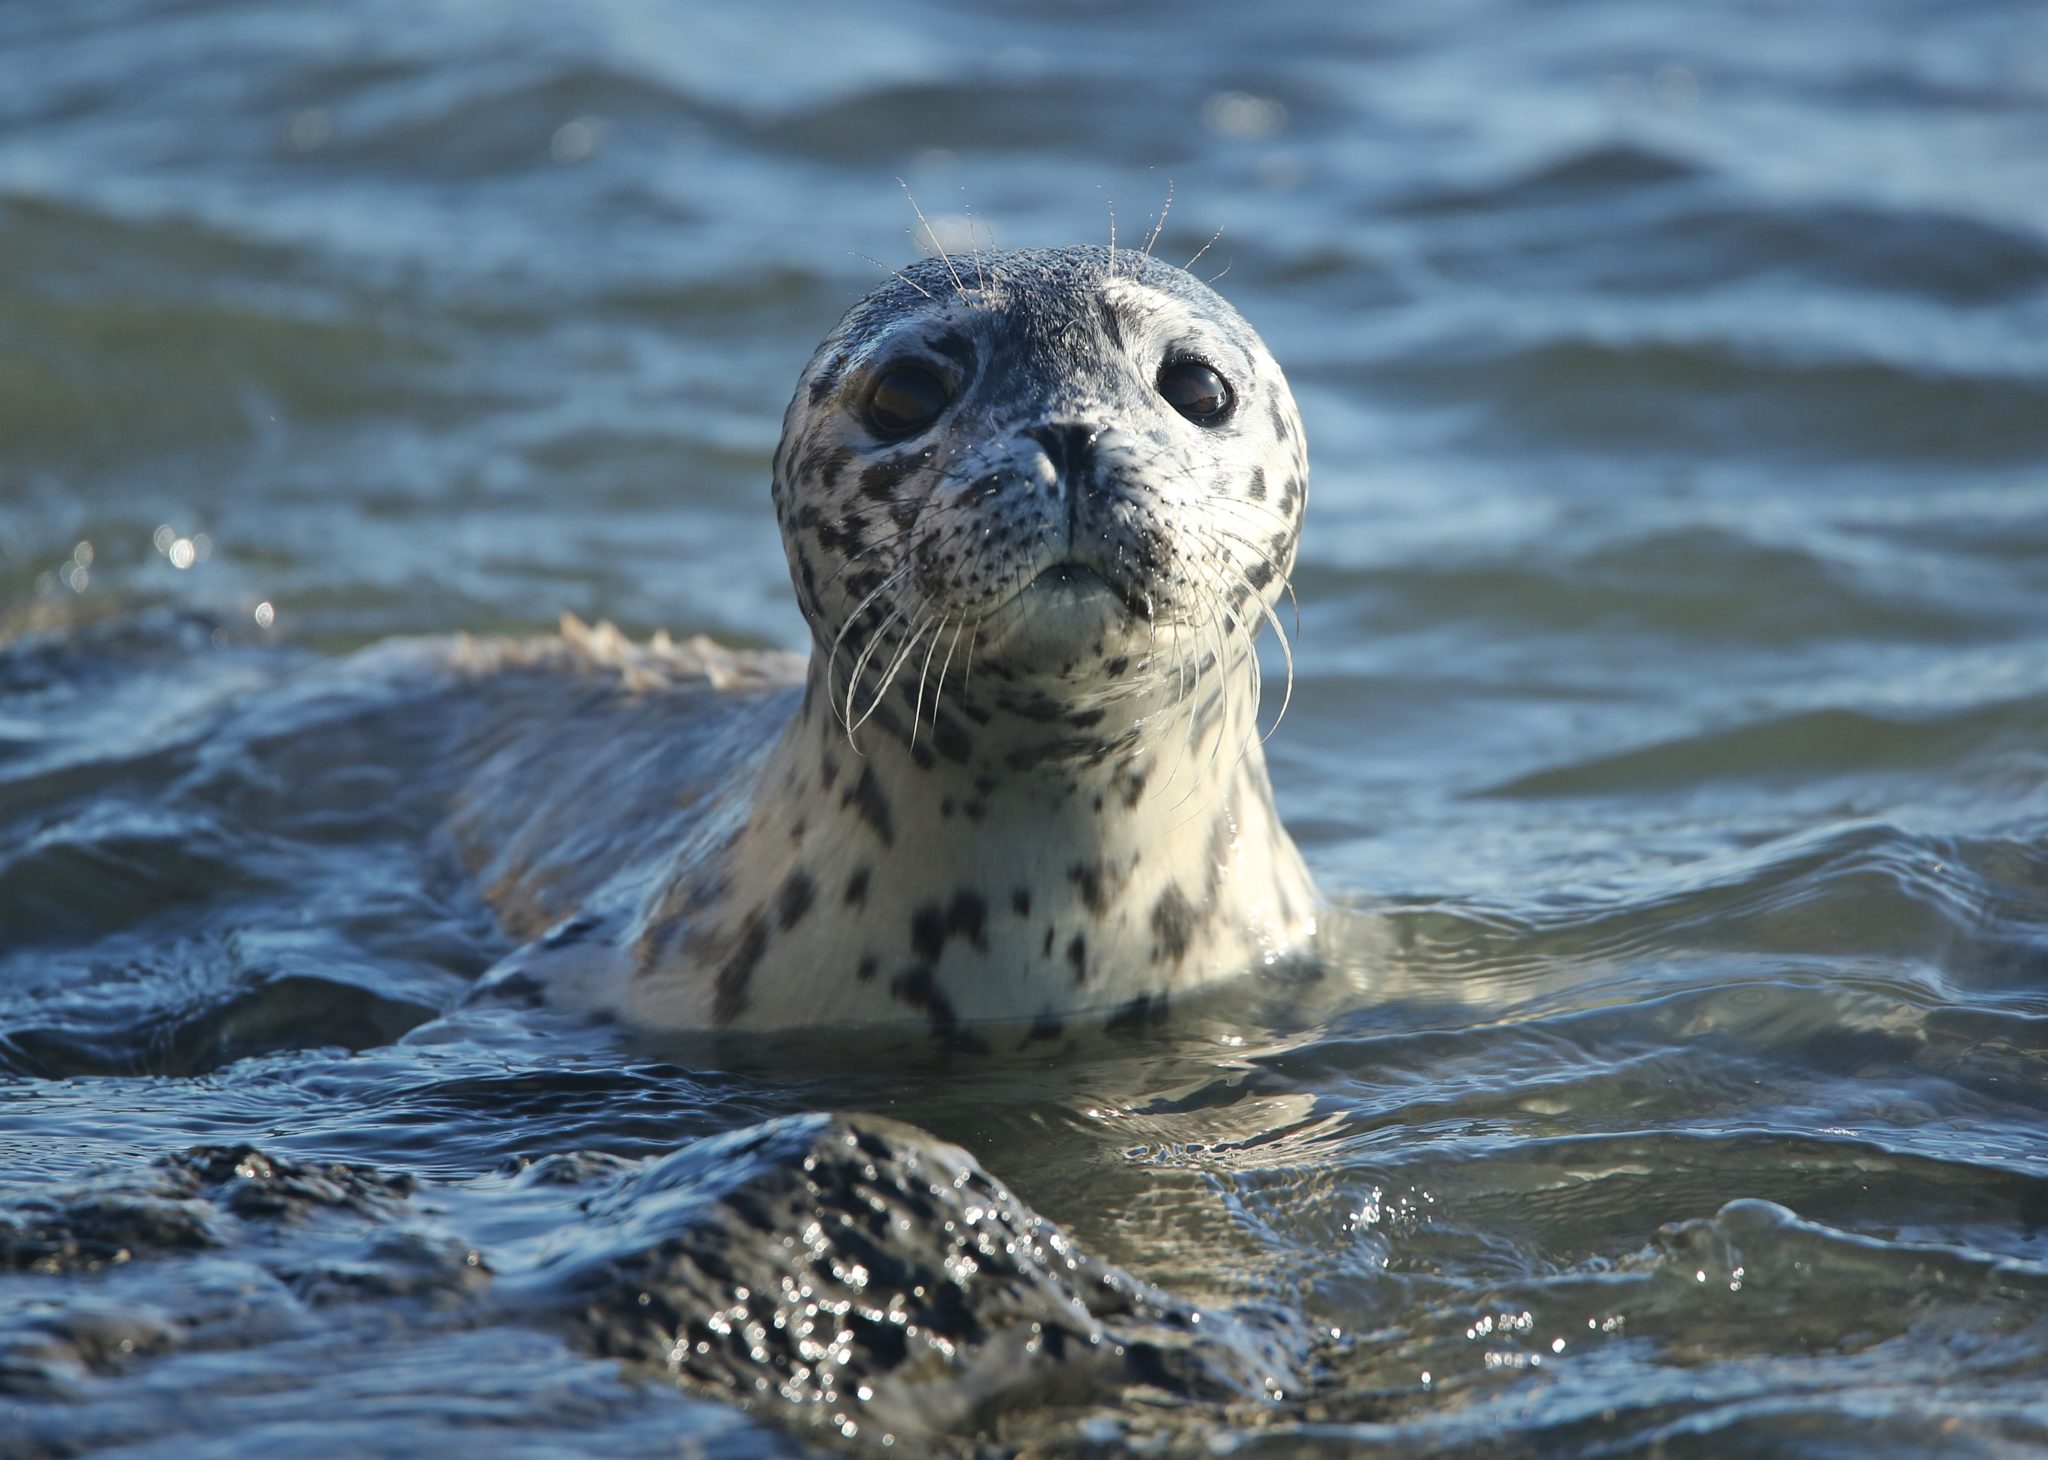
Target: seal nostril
[(1070, 447)]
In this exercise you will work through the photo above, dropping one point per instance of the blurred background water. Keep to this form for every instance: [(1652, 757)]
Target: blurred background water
[(1672, 677)]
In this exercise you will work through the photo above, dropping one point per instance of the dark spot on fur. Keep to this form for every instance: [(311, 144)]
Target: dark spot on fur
[(884, 718), (1077, 955), (1115, 667), (795, 898), (1046, 951), (914, 985), (1173, 924), (857, 887), (1020, 901), (879, 482), (1080, 750), (827, 379), (729, 995), (1042, 708), (1218, 856), (867, 968), (928, 932), (951, 738), (867, 798), (918, 987), (1255, 487), (966, 917), (833, 464)]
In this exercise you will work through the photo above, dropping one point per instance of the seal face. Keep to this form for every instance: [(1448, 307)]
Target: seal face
[(1037, 506), (1102, 452)]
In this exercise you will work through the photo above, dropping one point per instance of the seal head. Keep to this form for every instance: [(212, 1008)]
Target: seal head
[(1068, 452)]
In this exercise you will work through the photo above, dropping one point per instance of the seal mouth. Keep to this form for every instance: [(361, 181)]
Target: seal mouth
[(1065, 615), (1069, 574), (1077, 579)]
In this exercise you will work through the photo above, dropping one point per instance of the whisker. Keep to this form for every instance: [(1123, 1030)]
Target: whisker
[(1192, 703), (1258, 550), (923, 677), (860, 668), (974, 244), (938, 248), (1203, 249), (854, 617), (897, 272), (944, 665), (1287, 653), (1220, 621), (889, 677), (1215, 534), (1247, 632), (1164, 208)]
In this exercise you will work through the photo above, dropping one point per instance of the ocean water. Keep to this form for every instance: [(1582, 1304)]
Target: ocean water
[(1669, 731)]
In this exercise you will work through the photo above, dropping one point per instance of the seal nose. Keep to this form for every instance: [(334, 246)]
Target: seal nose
[(1071, 450), (1070, 447)]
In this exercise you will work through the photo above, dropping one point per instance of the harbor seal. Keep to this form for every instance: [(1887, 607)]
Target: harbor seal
[(1037, 507)]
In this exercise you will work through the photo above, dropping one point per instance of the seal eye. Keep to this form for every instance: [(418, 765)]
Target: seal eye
[(1196, 391), (905, 400)]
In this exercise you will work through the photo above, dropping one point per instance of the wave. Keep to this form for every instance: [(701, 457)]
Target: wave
[(1702, 396)]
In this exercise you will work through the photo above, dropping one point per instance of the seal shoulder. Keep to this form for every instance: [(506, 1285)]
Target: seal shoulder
[(594, 762)]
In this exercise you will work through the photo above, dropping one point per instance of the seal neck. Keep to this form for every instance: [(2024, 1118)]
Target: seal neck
[(1003, 856)]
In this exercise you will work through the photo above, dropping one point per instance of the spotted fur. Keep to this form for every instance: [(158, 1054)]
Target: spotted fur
[(1025, 781)]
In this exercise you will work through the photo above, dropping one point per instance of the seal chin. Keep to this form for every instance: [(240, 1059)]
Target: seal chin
[(1066, 615)]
